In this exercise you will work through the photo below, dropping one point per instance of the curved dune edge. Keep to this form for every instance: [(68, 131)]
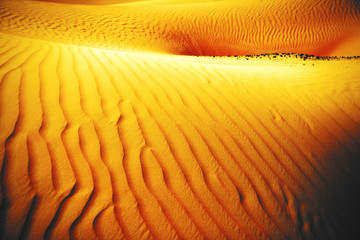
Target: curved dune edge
[(326, 27), (111, 145)]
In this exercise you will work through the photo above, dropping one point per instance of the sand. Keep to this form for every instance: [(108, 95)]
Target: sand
[(114, 122), (193, 27)]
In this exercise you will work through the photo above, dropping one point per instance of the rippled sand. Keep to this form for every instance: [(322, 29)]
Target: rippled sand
[(118, 121)]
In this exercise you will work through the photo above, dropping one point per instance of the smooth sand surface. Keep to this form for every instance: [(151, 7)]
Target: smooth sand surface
[(110, 130)]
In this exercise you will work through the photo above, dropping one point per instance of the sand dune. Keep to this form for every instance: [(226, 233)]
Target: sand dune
[(202, 28), (105, 133), (115, 145)]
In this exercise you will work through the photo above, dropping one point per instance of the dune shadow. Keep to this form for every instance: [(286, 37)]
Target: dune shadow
[(340, 200)]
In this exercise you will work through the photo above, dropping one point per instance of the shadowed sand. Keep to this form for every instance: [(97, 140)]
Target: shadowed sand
[(102, 138)]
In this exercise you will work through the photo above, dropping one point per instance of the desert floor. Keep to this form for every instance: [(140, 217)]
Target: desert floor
[(160, 119)]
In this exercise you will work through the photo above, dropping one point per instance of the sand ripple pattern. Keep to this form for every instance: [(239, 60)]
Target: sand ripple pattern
[(208, 28), (99, 144)]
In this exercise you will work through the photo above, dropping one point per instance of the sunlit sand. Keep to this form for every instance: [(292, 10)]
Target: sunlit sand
[(187, 119)]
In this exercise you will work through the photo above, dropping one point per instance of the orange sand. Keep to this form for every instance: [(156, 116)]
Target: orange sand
[(107, 133), (229, 27)]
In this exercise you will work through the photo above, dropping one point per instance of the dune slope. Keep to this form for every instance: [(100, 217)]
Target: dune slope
[(326, 27), (109, 131), (103, 144)]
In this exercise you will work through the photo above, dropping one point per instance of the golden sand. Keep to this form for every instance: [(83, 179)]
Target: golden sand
[(112, 124)]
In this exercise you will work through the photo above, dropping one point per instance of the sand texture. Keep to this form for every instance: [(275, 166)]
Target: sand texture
[(114, 126), (230, 27)]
